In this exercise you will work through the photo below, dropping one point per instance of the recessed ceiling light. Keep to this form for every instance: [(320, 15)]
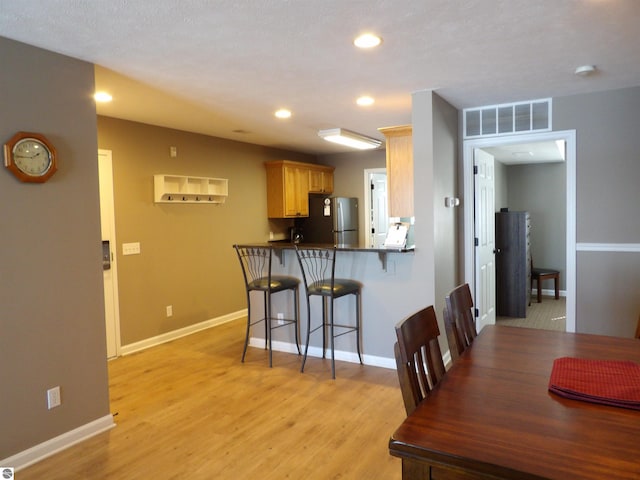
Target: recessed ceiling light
[(367, 40), (585, 70), (283, 113), (365, 101), (102, 97)]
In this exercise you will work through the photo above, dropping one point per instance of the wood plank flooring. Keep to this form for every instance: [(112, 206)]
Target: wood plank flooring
[(190, 409)]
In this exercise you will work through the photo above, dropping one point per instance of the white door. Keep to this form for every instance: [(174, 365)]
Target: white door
[(379, 212), (107, 221), (485, 279)]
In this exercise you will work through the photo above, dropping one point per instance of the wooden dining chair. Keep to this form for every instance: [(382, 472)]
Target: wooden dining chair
[(539, 275), (418, 356), (459, 318), (638, 329)]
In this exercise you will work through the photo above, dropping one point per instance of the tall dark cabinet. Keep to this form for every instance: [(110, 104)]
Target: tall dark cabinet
[(513, 263)]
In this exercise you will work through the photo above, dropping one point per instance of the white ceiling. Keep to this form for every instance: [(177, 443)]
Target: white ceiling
[(223, 67)]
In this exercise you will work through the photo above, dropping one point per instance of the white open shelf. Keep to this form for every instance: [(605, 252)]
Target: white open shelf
[(183, 189)]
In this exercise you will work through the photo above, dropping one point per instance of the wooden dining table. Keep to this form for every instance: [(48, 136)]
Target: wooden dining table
[(492, 415)]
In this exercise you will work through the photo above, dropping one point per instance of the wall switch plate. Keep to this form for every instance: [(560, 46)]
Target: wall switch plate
[(169, 310), (53, 397), (131, 248), (280, 317)]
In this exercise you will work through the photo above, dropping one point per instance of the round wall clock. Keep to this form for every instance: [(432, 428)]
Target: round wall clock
[(30, 157)]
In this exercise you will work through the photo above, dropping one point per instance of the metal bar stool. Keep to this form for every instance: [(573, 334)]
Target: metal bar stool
[(318, 266), (256, 269)]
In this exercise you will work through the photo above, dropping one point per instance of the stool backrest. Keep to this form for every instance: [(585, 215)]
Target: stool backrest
[(318, 266), (256, 266)]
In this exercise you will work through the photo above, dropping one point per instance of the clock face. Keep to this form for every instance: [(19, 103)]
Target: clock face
[(32, 157)]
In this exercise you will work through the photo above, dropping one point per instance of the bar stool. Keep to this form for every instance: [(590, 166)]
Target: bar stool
[(318, 266), (256, 269)]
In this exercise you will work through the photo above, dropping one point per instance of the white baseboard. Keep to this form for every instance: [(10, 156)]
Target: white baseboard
[(61, 442), (371, 360), (548, 292), (182, 332)]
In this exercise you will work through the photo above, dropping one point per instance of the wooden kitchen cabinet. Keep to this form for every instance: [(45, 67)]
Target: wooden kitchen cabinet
[(321, 179), (399, 146), (287, 189)]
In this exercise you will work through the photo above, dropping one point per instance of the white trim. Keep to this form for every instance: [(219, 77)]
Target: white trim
[(182, 332), (608, 247), (367, 198), (57, 444), (469, 250), (352, 357)]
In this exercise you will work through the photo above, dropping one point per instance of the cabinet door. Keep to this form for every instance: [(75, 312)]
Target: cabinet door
[(320, 180), (399, 170), (296, 191)]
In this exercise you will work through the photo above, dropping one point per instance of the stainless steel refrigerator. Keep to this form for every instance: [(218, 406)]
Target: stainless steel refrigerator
[(332, 220)]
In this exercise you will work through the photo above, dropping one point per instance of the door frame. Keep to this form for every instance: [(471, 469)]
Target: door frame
[(367, 198), (569, 136), (107, 201)]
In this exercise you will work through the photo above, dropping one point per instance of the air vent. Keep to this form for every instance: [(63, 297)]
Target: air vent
[(507, 119)]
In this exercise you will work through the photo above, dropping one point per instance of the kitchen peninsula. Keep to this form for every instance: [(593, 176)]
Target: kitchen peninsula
[(383, 288)]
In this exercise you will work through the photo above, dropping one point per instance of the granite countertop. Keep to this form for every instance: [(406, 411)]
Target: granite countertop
[(287, 244)]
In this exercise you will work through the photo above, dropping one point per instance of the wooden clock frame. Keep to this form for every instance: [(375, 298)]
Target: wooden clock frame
[(13, 168)]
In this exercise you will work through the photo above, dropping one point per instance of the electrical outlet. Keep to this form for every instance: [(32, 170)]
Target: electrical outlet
[(280, 317), (53, 397), (169, 310)]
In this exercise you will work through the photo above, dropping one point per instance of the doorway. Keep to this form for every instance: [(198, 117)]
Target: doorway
[(110, 275), (375, 206), (469, 147)]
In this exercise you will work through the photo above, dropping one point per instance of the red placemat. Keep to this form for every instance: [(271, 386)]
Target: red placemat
[(610, 382)]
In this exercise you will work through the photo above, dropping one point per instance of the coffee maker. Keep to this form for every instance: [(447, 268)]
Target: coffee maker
[(295, 235)]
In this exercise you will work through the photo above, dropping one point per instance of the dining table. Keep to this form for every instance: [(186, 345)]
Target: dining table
[(492, 415)]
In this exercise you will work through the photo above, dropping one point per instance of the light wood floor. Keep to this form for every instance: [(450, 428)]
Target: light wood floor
[(190, 410)]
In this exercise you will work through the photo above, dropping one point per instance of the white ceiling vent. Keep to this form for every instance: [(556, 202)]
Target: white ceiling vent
[(508, 118)]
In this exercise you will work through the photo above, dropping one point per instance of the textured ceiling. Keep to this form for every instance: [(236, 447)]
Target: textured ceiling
[(223, 67)]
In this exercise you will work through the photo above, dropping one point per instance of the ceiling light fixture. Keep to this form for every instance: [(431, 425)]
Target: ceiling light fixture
[(367, 40), (283, 113), (365, 101), (349, 138), (102, 97), (585, 70)]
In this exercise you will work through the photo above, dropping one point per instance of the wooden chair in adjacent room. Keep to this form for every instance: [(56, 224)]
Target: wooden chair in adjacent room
[(417, 347), (459, 319), (539, 275), (318, 266), (256, 264)]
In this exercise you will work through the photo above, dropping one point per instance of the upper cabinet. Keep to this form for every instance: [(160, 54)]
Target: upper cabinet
[(320, 179), (289, 184), (399, 148)]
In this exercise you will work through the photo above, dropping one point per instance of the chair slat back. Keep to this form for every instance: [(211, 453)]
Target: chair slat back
[(419, 356), (256, 265), (318, 266), (459, 316)]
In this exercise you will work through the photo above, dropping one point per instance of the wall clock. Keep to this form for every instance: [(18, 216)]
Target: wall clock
[(30, 157)]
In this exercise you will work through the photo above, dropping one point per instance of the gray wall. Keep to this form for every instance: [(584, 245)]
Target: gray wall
[(608, 175), (52, 329)]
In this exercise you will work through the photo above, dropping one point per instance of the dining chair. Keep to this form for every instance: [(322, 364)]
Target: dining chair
[(638, 329), (256, 262), (418, 356), (459, 318), (318, 267), (539, 275)]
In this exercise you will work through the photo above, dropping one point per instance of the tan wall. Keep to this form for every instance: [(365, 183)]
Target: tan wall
[(51, 298), (186, 259)]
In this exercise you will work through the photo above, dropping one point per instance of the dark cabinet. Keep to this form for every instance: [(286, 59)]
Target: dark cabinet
[(513, 263)]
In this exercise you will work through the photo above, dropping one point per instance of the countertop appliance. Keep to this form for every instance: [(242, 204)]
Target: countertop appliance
[(332, 220)]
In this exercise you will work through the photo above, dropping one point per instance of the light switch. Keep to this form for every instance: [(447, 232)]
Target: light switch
[(131, 248)]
